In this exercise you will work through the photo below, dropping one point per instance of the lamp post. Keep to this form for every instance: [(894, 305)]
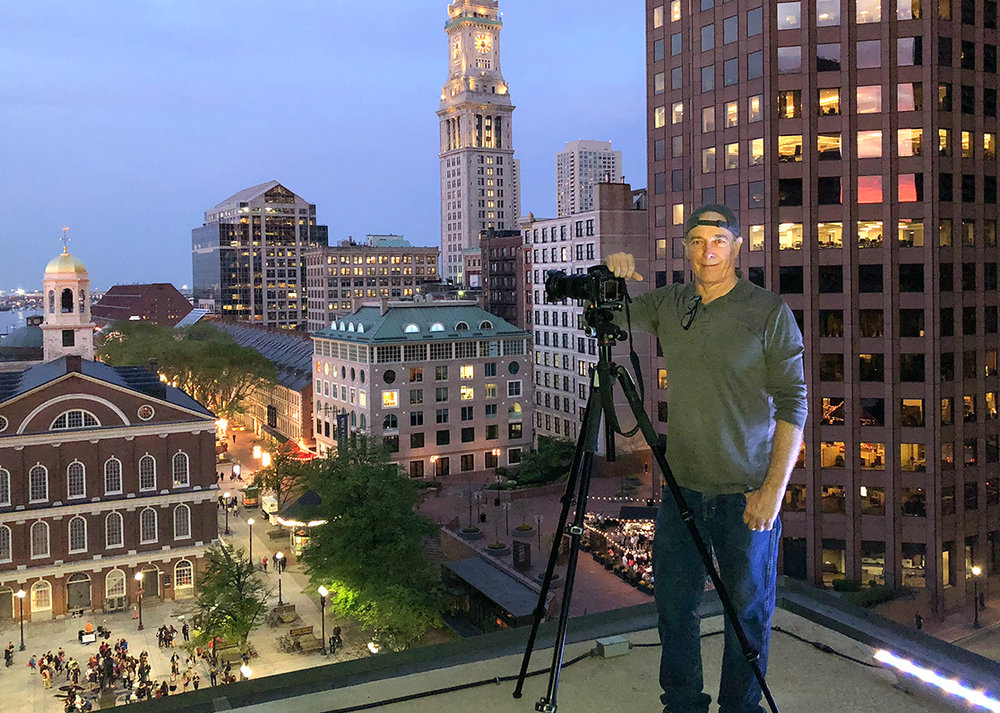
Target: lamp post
[(479, 498), (278, 557), (506, 515), (976, 571), (538, 528), (323, 592), (250, 523), (20, 604), (138, 579), (225, 506)]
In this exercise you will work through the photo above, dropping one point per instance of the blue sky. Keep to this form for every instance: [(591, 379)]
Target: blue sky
[(126, 119)]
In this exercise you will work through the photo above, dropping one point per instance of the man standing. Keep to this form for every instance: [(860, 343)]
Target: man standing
[(737, 397)]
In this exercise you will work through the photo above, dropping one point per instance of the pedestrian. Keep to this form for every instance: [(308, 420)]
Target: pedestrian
[(982, 601), (31, 664), (213, 675), (263, 562), (918, 621), (195, 681), (234, 438), (737, 409), (185, 631)]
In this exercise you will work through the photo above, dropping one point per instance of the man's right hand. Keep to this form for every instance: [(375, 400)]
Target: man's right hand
[(622, 265)]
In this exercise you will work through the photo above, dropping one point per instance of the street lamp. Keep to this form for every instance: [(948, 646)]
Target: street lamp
[(265, 459), (225, 505), (250, 523), (976, 571), (506, 515), (323, 592), (479, 497), (256, 452), (138, 579), (278, 557), (538, 527), (20, 596)]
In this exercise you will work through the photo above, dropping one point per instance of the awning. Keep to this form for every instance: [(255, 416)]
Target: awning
[(496, 585), (637, 512)]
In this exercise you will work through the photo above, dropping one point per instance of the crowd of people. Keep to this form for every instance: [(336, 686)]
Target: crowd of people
[(625, 543)]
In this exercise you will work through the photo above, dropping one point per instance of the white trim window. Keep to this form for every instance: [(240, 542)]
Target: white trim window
[(514, 388), (112, 476), (147, 473), (39, 539), (114, 584), (147, 526), (73, 419), (4, 486), (184, 575), (77, 535), (38, 484), (114, 530), (182, 522), (181, 469), (5, 544), (41, 596), (76, 480)]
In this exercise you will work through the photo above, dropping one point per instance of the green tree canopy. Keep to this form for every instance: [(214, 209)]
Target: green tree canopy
[(286, 475), (369, 553), (203, 361), (549, 462), (232, 600)]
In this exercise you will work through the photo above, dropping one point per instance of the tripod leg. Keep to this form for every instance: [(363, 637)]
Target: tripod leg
[(659, 453), (587, 440)]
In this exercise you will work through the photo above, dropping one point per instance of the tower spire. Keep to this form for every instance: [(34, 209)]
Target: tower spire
[(65, 240)]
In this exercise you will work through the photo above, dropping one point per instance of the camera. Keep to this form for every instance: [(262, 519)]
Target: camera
[(598, 286)]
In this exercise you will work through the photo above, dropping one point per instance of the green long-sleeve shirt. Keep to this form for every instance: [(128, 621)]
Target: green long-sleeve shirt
[(735, 370)]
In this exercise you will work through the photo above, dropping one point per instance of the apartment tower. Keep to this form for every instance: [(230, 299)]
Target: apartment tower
[(579, 168)]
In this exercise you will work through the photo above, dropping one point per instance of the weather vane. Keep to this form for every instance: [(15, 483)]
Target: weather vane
[(65, 239)]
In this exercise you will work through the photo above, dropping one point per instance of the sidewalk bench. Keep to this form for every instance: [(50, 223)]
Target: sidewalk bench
[(292, 641), (283, 614), (303, 639)]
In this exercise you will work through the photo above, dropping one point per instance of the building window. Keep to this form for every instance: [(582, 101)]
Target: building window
[(38, 484), (514, 388), (182, 522), (390, 399), (183, 575), (77, 535), (4, 486), (74, 419), (76, 480), (5, 546), (181, 470), (41, 595), (147, 526), (443, 438), (39, 540), (114, 530), (112, 476), (147, 473), (829, 102)]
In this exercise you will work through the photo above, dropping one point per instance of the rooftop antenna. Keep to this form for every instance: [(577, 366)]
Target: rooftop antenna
[(65, 240)]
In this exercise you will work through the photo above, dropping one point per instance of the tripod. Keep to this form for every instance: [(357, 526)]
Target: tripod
[(600, 402)]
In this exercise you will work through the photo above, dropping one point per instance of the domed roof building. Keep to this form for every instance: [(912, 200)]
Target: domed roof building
[(25, 343), (68, 328), (66, 264)]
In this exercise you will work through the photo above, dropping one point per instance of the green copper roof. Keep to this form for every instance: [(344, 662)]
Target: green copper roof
[(475, 20), (419, 324)]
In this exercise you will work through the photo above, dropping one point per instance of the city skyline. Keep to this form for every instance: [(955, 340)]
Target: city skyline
[(127, 141)]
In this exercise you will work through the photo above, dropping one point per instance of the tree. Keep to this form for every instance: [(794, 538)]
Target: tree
[(369, 554), (285, 475), (232, 600), (202, 360), (547, 463)]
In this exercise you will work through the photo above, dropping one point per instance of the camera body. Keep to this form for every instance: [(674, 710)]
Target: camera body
[(599, 288)]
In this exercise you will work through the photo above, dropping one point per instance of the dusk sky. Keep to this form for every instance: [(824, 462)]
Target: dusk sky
[(126, 119)]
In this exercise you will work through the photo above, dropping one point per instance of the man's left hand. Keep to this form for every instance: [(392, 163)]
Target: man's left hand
[(762, 509)]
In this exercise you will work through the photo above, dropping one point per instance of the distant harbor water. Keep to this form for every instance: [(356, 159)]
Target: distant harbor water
[(14, 319)]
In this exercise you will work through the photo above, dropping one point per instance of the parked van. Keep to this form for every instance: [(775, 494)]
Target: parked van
[(269, 507)]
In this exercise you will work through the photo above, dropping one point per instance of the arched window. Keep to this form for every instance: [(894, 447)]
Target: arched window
[(5, 552), (83, 302), (180, 464), (39, 539), (183, 575), (514, 412), (66, 298), (41, 596), (38, 484), (437, 327), (461, 326), (354, 419), (147, 473), (114, 530), (77, 535), (52, 301), (182, 522), (74, 419), (411, 328), (362, 422), (76, 480), (486, 324), (147, 526), (114, 584), (112, 476), (4, 486), (390, 422)]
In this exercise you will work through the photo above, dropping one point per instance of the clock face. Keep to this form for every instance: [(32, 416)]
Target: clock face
[(483, 43)]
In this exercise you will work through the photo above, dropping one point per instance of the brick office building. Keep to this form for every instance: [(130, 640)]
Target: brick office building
[(858, 144), (104, 472)]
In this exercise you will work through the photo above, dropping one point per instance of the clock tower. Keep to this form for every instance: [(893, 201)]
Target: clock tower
[(479, 175)]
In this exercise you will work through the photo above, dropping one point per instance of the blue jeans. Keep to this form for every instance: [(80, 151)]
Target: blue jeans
[(747, 562)]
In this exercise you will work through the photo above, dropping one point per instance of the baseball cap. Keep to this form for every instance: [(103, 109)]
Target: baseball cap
[(703, 216)]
